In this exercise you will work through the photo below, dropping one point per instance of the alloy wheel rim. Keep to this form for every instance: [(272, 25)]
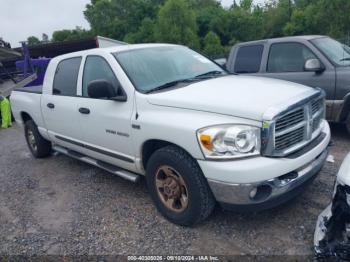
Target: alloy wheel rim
[(171, 189), (31, 140)]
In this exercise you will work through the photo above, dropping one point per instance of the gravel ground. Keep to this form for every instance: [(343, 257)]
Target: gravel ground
[(60, 206)]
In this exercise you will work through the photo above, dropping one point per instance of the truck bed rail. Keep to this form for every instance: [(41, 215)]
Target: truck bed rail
[(30, 89)]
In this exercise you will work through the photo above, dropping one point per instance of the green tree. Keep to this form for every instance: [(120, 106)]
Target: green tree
[(61, 35), (109, 17), (211, 16), (330, 17), (32, 40), (246, 5), (297, 24), (188, 22), (66, 35), (276, 16), (245, 22), (212, 45), (319, 17), (145, 34), (176, 23), (117, 18)]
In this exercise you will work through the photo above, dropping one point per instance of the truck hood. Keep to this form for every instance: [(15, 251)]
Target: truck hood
[(240, 96)]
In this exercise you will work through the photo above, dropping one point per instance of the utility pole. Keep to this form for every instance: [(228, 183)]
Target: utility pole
[(290, 9)]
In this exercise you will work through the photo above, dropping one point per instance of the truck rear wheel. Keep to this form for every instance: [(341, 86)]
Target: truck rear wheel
[(178, 187), (38, 145)]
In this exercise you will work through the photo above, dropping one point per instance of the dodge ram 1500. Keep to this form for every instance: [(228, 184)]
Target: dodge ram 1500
[(198, 134)]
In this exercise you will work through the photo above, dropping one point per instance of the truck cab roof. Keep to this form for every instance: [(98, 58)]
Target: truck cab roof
[(282, 39), (113, 49)]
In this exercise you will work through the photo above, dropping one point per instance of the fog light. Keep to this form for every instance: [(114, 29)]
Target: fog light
[(252, 193), (260, 193)]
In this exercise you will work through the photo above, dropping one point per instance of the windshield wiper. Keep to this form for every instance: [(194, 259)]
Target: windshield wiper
[(171, 84), (210, 73), (187, 80), (345, 59)]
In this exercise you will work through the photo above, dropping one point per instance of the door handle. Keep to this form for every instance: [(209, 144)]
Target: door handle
[(50, 105), (84, 110)]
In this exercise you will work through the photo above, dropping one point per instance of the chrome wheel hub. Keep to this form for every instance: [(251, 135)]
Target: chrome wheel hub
[(171, 189), (31, 140)]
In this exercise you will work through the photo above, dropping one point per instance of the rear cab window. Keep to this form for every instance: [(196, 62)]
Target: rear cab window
[(248, 59), (66, 77)]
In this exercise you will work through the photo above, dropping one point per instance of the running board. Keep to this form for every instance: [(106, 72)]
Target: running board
[(103, 165)]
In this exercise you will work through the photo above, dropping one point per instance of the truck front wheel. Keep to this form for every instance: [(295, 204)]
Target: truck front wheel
[(178, 187), (38, 145)]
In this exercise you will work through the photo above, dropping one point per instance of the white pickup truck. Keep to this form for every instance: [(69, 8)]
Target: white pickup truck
[(198, 134)]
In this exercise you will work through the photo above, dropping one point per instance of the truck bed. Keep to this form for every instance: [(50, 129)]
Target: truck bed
[(30, 89), (28, 100)]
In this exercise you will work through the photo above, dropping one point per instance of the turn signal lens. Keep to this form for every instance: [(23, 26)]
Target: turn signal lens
[(206, 141)]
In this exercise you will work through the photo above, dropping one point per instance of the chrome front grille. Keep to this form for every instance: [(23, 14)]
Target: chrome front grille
[(292, 128), (289, 120), (289, 139), (317, 105)]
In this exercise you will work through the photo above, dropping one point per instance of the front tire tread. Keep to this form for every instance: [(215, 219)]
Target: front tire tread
[(205, 200)]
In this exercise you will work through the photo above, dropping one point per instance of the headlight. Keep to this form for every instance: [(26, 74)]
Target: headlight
[(229, 141)]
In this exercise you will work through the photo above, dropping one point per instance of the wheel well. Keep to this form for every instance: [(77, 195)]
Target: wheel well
[(25, 117), (150, 146)]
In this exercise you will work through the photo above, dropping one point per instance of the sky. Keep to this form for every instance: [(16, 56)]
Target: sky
[(22, 18)]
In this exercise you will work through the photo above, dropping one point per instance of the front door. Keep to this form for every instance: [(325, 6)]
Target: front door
[(106, 124), (287, 60)]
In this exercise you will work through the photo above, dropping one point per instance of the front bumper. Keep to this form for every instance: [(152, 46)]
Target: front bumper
[(261, 183), (267, 194)]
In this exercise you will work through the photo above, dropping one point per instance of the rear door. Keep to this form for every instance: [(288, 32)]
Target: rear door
[(106, 124), (59, 104)]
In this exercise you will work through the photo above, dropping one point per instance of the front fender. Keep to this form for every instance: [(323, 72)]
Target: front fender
[(177, 126)]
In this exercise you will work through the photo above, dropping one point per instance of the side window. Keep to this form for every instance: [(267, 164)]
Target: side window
[(97, 68), (248, 59), (288, 57), (66, 77)]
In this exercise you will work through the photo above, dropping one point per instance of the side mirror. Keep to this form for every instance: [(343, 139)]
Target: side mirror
[(104, 89), (313, 65)]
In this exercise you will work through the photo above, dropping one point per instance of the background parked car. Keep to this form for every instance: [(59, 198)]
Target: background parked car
[(316, 61)]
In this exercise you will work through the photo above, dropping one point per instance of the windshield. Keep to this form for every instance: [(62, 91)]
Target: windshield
[(335, 51), (153, 68)]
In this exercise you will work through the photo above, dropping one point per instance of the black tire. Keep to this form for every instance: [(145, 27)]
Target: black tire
[(38, 145), (200, 201)]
